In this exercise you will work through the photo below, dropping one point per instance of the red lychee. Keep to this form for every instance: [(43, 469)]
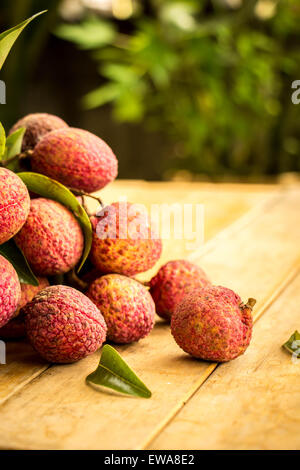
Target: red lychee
[(51, 238), (63, 325), (126, 305), (37, 125), (171, 284), (10, 291), (124, 240), (15, 328), (14, 204), (213, 324), (76, 158)]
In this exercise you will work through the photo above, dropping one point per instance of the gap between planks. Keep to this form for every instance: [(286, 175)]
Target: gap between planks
[(25, 382), (251, 403), (290, 275)]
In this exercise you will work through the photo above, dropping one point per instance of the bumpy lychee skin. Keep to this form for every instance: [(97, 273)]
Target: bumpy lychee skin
[(10, 291), (213, 324), (76, 158), (126, 305), (15, 328), (37, 125), (51, 238), (14, 204), (172, 283), (120, 243), (63, 325)]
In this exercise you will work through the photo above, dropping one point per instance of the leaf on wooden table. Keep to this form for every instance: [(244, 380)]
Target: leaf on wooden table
[(293, 344), (49, 188), (114, 373), (14, 255)]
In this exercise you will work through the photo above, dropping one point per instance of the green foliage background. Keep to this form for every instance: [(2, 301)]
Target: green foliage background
[(214, 82)]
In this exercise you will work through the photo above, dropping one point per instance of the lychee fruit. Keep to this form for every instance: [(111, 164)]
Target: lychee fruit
[(51, 239), (76, 158), (213, 324), (37, 125), (15, 328), (63, 325), (126, 305), (124, 240), (172, 282), (14, 204), (10, 291)]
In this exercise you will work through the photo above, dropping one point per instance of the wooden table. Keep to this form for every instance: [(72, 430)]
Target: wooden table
[(252, 245)]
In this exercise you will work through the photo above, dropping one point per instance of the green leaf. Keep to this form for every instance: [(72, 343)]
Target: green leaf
[(14, 143), (90, 34), (293, 344), (101, 96), (14, 255), (2, 141), (49, 188), (125, 74), (113, 372), (180, 14), (7, 38), (129, 107)]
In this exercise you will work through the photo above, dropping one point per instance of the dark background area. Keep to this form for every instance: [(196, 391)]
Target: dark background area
[(185, 91)]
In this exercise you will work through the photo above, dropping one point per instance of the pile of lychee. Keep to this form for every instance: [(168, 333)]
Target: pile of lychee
[(65, 324)]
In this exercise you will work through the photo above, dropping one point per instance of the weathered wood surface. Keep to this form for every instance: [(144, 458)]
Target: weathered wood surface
[(223, 204), (257, 253), (252, 402)]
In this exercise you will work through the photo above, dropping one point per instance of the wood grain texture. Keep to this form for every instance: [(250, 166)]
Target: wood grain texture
[(252, 259), (224, 203), (57, 410), (22, 365), (252, 402), (222, 208)]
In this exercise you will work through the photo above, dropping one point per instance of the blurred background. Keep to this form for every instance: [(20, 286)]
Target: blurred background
[(181, 90)]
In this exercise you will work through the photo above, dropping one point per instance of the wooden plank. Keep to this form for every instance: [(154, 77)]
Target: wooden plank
[(222, 257), (252, 402), (57, 409), (222, 208), (22, 366), (224, 203)]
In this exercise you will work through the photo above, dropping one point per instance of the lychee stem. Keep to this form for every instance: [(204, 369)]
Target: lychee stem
[(89, 213), (78, 192), (247, 308), (251, 302), (75, 281), (21, 156)]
